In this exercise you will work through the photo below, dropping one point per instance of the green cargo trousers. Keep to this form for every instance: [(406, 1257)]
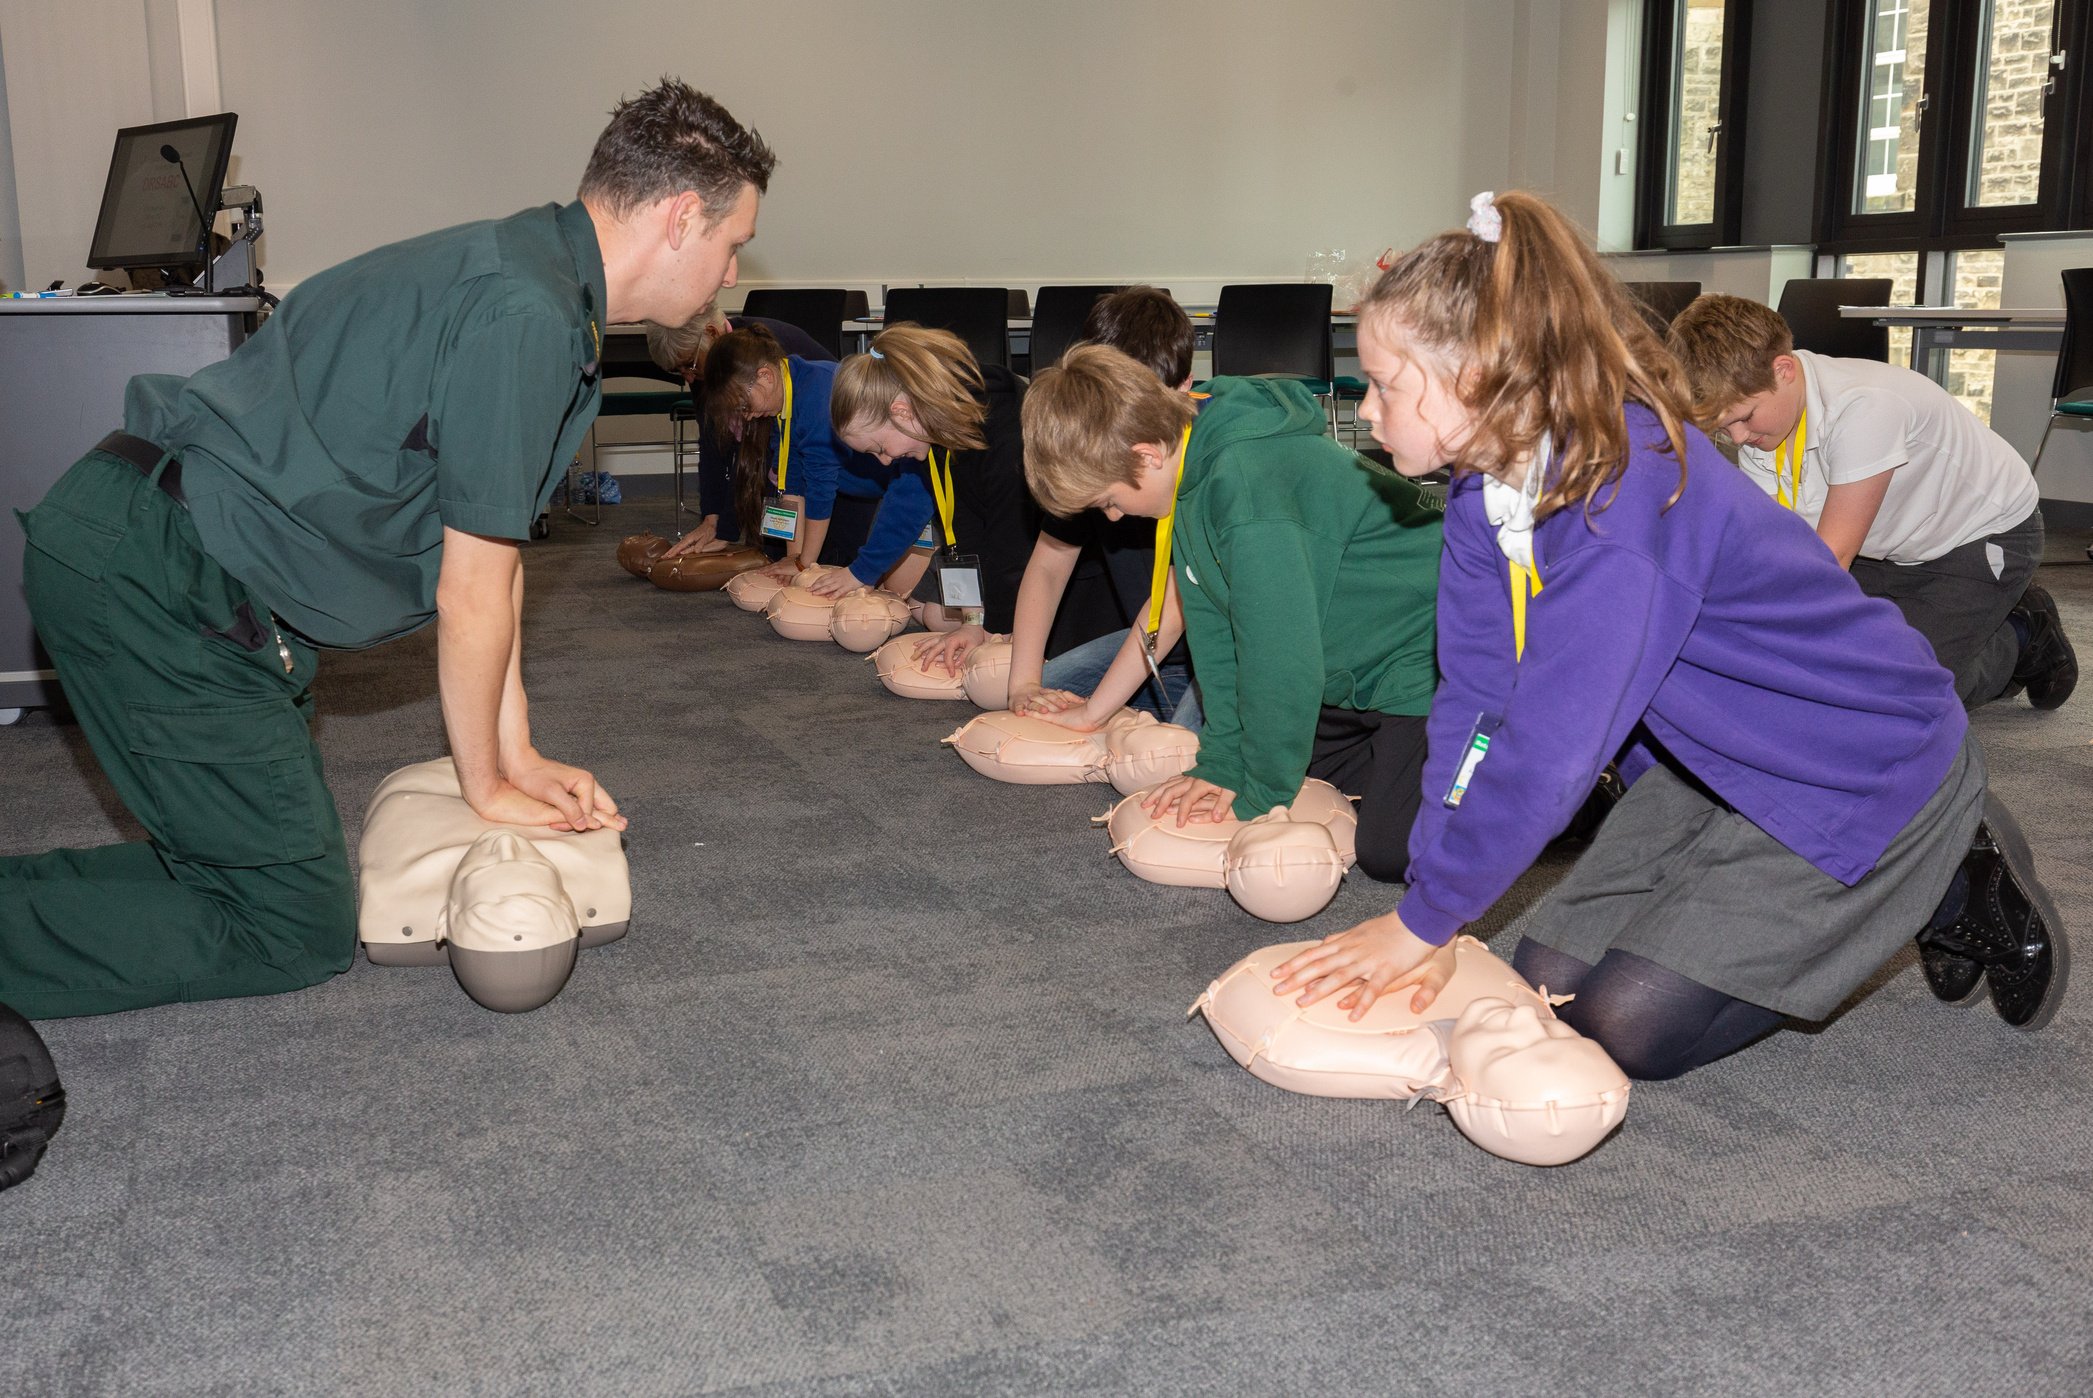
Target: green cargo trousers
[(200, 712)]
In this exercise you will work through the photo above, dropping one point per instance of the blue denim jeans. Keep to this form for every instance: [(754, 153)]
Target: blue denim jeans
[(1079, 670)]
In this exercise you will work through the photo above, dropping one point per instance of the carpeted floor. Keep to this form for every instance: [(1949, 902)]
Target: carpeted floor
[(891, 1090)]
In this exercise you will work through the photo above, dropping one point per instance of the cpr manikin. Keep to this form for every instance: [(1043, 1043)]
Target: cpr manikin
[(1517, 1081), (863, 621), (641, 556), (506, 907), (1283, 866), (904, 674), (1026, 751)]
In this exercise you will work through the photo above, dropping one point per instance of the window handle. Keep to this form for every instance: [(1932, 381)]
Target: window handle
[(1713, 132), (2056, 64)]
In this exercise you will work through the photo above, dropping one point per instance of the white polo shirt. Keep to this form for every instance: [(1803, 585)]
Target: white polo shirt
[(1957, 480)]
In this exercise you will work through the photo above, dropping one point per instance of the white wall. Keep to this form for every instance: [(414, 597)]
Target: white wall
[(2020, 393)]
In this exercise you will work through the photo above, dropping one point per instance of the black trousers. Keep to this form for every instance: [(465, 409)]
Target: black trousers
[(1378, 758)]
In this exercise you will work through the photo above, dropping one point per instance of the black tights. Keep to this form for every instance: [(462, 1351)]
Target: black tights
[(1655, 1023)]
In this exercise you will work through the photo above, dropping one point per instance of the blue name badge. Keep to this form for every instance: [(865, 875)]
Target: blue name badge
[(1486, 726)]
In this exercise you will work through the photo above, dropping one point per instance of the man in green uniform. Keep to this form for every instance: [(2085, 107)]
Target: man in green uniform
[(365, 463)]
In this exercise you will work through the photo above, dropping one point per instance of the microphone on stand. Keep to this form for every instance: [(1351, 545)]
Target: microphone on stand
[(203, 242)]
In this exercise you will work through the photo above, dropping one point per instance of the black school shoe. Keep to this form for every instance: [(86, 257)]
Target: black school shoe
[(2007, 938), (2048, 667)]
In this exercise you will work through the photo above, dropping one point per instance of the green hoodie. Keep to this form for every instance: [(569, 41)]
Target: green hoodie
[(1309, 576)]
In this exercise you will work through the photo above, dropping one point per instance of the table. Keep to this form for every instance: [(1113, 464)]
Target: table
[(1937, 329), (64, 362)]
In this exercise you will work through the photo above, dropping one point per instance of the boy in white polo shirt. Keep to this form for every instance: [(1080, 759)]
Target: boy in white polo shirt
[(1929, 508)]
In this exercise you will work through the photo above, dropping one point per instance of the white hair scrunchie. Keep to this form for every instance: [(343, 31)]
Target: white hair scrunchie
[(874, 353), (1483, 219)]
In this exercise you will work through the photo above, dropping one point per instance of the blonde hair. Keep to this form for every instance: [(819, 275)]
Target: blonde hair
[(1084, 417), (1727, 346), (680, 348), (933, 369), (1537, 338)]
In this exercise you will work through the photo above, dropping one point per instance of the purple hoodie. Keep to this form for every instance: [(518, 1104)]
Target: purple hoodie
[(1720, 631)]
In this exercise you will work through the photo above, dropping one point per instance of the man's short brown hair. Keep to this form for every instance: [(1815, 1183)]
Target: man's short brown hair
[(1146, 324), (669, 139), (1083, 419), (1727, 345)]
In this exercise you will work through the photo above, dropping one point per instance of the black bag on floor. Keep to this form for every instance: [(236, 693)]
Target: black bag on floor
[(32, 1104)]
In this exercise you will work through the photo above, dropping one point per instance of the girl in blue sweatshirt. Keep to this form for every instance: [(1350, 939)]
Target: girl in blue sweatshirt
[(1805, 794)]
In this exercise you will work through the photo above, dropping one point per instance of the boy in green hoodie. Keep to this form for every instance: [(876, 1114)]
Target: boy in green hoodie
[(1309, 578)]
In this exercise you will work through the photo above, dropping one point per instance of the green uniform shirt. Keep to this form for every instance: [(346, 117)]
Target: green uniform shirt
[(1309, 576), (445, 380)]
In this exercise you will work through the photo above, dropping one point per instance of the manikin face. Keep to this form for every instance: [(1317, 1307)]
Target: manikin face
[(1153, 490), (702, 261), (1410, 404), (890, 440), (1509, 1052), (1765, 420)]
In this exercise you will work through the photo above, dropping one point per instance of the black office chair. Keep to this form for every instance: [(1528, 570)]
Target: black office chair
[(1811, 308), (1661, 302), (1058, 314), (980, 315), (2071, 391), (1020, 304), (820, 312), (1280, 329)]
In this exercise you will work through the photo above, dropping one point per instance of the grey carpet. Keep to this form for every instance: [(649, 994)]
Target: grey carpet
[(891, 1090)]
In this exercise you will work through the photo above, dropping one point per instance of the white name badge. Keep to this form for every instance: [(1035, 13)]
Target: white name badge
[(780, 519), (959, 582)]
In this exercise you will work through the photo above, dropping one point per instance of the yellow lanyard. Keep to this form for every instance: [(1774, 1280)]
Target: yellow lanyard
[(1787, 463), (1162, 572), (1526, 582), (784, 420), (942, 490)]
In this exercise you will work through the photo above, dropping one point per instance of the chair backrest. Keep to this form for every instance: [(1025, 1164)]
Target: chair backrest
[(1273, 328), (1058, 313), (2075, 362), (1020, 304), (820, 311), (980, 315), (1811, 308), (1662, 301)]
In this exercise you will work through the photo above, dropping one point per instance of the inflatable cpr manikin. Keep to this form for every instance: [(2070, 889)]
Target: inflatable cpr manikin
[(1517, 1081), (637, 552), (987, 673), (1283, 866), (903, 674), (1027, 751), (800, 614), (704, 572), (1141, 751), (864, 621), (506, 907), (752, 591)]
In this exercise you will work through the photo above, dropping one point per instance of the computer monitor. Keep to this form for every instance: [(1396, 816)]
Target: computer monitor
[(148, 219)]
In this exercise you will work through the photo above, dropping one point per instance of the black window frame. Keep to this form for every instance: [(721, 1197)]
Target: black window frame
[(1654, 157), (1939, 221)]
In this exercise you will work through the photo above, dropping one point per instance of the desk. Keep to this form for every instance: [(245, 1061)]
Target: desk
[(64, 362), (1937, 329)]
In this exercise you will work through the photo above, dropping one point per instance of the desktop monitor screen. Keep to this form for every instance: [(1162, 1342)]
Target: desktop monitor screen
[(148, 219)]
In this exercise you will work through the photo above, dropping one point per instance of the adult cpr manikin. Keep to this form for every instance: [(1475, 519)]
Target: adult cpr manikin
[(903, 674), (1283, 866), (1517, 1081), (507, 907), (704, 572), (1131, 751)]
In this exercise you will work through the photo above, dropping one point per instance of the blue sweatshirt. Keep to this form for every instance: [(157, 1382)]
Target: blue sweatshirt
[(815, 457), (1719, 634)]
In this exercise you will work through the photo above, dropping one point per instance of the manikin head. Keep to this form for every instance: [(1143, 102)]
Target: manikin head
[(1529, 1087), (915, 389), (1740, 355), (672, 188), (512, 930)]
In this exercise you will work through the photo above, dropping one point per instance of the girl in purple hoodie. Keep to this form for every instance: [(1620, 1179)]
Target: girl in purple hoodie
[(1805, 794)]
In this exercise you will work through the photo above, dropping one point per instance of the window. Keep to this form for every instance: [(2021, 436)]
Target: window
[(1693, 66), (1952, 121)]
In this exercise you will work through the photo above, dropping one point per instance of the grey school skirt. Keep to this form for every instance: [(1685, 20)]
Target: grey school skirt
[(1690, 884)]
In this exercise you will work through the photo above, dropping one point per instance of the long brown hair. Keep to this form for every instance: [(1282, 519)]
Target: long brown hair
[(1538, 338), (730, 375), (933, 369)]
